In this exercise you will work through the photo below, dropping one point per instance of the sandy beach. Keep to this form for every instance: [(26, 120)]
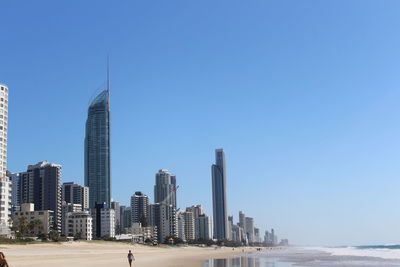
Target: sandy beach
[(109, 254)]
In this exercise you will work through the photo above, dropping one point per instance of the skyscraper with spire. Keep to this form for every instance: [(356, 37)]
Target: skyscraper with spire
[(220, 216), (98, 149)]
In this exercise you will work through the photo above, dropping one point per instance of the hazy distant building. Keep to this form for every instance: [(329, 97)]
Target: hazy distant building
[(230, 227), (41, 185), (257, 238), (204, 227), (126, 218), (76, 194), (249, 228), (5, 192), (164, 218), (219, 196), (98, 150), (165, 188), (140, 208)]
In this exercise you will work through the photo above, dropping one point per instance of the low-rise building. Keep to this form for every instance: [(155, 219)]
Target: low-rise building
[(36, 222), (79, 225)]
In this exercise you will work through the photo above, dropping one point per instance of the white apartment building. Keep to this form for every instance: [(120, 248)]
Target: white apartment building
[(107, 222), (5, 184), (79, 222), (204, 227)]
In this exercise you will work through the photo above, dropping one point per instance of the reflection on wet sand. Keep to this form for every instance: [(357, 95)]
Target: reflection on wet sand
[(244, 261)]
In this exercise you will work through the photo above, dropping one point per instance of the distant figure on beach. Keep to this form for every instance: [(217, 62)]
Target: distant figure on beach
[(130, 258), (3, 262)]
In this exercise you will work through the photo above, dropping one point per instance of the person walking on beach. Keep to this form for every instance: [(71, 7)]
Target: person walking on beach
[(130, 258)]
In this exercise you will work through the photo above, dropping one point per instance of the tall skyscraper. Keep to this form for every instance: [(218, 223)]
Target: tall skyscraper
[(165, 188), (140, 208), (97, 150), (75, 194), (5, 193), (220, 217), (41, 185)]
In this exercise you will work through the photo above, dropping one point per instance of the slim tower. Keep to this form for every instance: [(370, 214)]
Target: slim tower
[(5, 194), (220, 217), (97, 149)]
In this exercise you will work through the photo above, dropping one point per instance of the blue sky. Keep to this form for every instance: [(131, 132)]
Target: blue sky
[(302, 95)]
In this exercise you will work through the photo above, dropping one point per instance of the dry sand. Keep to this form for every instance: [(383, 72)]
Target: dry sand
[(110, 254)]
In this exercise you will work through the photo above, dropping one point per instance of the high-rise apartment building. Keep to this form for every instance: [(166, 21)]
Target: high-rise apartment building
[(41, 185), (165, 188), (75, 194), (190, 228), (204, 227), (5, 184), (219, 196), (249, 229), (197, 211), (97, 150), (16, 189), (140, 208), (164, 218)]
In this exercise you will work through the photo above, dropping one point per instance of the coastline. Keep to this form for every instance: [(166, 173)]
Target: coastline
[(101, 253)]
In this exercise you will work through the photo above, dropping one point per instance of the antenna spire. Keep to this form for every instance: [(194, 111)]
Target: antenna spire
[(108, 73)]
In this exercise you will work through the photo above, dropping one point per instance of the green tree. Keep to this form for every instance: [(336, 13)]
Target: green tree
[(54, 235), (23, 225), (117, 228)]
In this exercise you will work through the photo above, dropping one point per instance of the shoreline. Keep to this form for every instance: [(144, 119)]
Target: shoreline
[(103, 253)]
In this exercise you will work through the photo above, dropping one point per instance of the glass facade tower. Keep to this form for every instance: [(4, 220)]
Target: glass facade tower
[(220, 217), (97, 150)]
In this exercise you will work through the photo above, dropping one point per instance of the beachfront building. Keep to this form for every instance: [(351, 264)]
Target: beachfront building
[(140, 234), (257, 238), (126, 218), (164, 218), (74, 193), (165, 188), (107, 222), (15, 190), (204, 227), (5, 184), (190, 229), (197, 211), (97, 150), (37, 221), (79, 225), (181, 226), (115, 205), (41, 185), (140, 208), (219, 196), (65, 209)]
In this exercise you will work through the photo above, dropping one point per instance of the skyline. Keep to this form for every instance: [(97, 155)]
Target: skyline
[(306, 93)]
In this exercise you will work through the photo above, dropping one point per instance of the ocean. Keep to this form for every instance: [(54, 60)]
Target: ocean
[(369, 256)]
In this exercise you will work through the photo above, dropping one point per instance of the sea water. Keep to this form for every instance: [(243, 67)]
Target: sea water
[(361, 256)]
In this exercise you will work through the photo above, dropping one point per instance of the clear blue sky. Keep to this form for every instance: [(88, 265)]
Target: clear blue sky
[(302, 95)]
